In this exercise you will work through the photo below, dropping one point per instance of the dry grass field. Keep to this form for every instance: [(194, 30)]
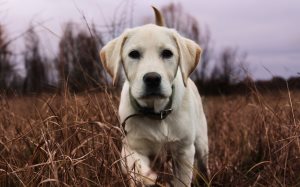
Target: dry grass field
[(74, 140)]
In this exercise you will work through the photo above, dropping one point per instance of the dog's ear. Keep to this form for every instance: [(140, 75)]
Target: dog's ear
[(159, 20), (111, 56), (189, 55)]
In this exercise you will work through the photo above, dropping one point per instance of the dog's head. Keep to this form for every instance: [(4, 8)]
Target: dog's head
[(150, 56)]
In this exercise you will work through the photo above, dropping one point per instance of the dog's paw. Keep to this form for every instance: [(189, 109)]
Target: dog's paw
[(150, 179)]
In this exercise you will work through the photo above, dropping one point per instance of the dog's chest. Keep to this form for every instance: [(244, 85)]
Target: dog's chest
[(153, 130), (155, 134), (151, 140)]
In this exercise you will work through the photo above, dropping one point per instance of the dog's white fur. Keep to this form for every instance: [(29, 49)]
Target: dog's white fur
[(184, 131)]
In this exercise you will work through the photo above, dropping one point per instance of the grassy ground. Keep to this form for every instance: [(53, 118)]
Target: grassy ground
[(57, 140)]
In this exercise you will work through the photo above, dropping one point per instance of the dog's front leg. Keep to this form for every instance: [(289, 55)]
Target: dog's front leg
[(183, 166), (138, 167)]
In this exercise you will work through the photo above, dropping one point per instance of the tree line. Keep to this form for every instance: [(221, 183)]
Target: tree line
[(77, 65)]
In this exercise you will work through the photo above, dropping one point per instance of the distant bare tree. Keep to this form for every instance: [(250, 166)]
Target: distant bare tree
[(188, 26), (6, 68), (122, 18), (78, 59), (230, 66), (185, 24), (36, 76), (65, 56), (206, 57)]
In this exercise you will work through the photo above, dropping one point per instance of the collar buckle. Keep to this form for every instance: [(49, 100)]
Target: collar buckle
[(165, 113)]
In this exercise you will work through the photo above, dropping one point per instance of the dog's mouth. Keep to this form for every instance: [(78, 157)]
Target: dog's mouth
[(153, 101), (153, 95), (156, 99)]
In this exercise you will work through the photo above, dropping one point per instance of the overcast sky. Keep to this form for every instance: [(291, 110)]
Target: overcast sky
[(268, 31)]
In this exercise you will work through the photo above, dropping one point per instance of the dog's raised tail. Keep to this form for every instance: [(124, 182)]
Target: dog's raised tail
[(159, 20)]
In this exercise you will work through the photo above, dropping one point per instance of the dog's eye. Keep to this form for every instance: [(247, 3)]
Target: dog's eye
[(166, 53), (134, 54)]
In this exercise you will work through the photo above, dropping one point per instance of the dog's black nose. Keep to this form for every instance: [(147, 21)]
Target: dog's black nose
[(152, 79)]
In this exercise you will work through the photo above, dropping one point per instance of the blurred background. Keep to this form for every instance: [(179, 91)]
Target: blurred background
[(52, 45)]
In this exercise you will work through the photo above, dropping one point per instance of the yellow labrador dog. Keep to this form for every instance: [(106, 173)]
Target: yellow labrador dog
[(160, 105)]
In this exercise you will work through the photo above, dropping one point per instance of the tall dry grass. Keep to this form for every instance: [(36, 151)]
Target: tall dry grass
[(75, 140), (255, 140), (59, 140)]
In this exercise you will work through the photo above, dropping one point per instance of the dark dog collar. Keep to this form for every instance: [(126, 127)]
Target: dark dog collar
[(149, 112)]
